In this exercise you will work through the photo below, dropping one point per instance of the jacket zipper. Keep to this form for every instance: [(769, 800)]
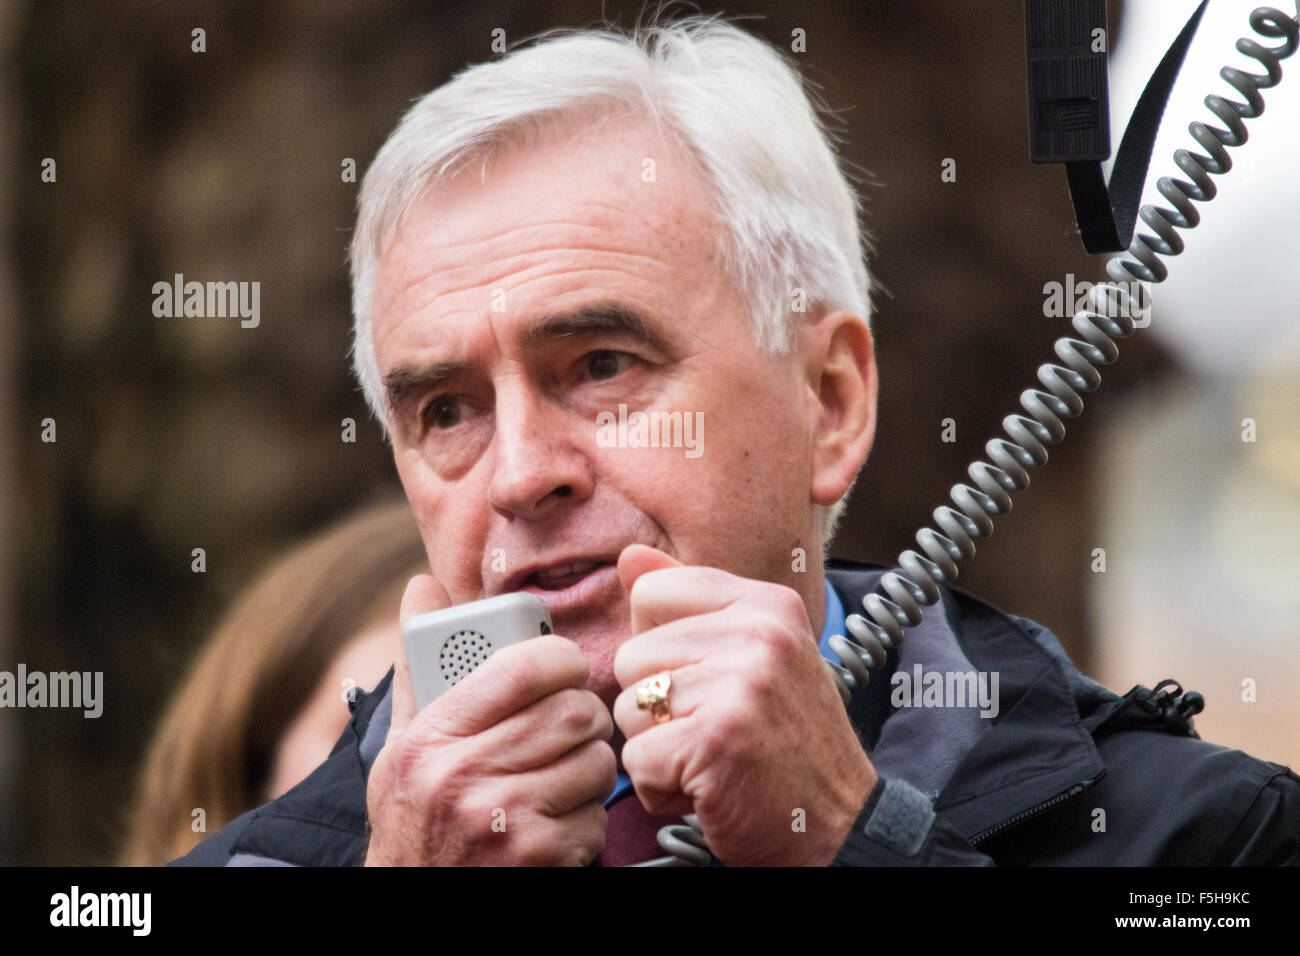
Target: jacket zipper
[(1033, 811)]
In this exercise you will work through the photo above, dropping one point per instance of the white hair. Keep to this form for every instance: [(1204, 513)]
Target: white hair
[(789, 217)]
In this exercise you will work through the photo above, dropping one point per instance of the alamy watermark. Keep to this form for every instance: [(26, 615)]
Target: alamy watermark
[(923, 688), (1064, 299), (130, 910), (84, 689), (651, 430), (213, 300)]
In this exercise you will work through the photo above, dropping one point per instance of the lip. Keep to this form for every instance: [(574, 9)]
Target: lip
[(583, 594), (515, 580)]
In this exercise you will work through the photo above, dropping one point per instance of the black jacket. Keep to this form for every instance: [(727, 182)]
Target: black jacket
[(1066, 773)]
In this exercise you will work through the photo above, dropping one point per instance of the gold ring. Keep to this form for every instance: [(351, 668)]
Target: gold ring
[(652, 695)]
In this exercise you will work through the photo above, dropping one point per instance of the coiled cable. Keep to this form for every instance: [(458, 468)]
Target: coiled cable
[(1115, 306)]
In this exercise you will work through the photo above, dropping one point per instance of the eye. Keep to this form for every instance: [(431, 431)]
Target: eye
[(444, 412), (606, 363)]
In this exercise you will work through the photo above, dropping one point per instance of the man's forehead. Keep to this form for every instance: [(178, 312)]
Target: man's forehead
[(618, 191)]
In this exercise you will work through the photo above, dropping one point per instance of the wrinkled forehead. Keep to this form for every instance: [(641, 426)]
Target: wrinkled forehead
[(613, 188)]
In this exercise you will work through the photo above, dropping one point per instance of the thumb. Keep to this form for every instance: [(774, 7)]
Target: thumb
[(636, 560), (423, 594), (639, 559)]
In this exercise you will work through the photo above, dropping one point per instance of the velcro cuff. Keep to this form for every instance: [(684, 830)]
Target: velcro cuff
[(902, 817)]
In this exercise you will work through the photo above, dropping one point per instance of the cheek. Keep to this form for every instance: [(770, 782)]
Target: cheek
[(749, 466), (456, 560), (752, 494), (420, 490), (445, 530)]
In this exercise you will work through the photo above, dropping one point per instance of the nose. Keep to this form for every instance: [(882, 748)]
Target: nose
[(539, 466)]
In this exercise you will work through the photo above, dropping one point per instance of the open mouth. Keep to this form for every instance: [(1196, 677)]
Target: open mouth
[(571, 585), (563, 576)]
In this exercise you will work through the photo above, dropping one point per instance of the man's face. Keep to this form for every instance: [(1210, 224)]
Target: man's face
[(519, 302)]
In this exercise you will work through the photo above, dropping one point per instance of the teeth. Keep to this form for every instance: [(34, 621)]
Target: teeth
[(564, 570)]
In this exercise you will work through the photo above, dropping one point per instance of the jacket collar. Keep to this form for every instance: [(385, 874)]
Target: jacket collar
[(322, 821), (1036, 751)]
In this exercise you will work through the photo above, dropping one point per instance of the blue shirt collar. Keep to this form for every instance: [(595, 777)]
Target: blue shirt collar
[(834, 623)]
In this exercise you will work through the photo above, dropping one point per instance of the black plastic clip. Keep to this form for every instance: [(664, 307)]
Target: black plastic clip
[(1176, 708)]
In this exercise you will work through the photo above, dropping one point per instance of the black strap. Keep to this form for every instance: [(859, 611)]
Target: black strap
[(1107, 214)]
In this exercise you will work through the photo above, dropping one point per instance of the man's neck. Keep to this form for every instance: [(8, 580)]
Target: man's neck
[(814, 594)]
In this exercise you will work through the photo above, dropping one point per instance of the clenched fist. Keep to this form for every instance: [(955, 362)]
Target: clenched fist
[(758, 745)]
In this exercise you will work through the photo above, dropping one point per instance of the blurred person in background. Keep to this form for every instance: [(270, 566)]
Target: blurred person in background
[(267, 698)]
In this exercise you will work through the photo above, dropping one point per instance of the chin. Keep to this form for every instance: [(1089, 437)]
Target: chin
[(600, 641)]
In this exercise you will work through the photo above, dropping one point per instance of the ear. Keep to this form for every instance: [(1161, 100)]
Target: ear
[(840, 364)]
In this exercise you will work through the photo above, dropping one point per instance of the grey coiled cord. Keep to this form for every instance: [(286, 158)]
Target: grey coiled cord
[(1111, 317), (1004, 472)]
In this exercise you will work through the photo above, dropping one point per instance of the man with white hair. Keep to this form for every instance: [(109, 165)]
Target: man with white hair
[(599, 226)]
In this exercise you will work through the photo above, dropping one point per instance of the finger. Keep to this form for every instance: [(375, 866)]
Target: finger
[(655, 762), (423, 594), (635, 562), (688, 688), (638, 559), (584, 774), (508, 681), (679, 643), (665, 592), (573, 839), (544, 731)]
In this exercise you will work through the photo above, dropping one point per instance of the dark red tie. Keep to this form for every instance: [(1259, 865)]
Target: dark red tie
[(630, 833)]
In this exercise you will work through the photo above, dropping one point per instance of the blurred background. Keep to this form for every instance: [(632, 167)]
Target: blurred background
[(176, 434)]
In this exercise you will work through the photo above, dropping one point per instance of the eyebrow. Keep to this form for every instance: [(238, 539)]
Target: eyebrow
[(608, 319), (406, 383)]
